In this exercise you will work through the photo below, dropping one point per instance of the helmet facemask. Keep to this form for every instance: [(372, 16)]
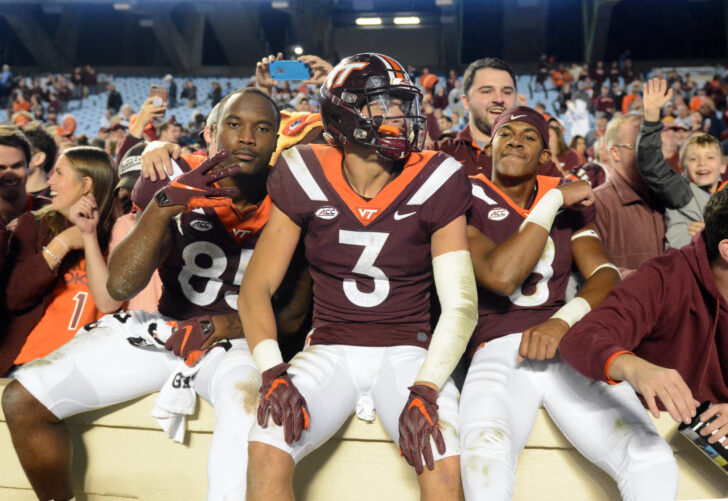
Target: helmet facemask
[(391, 123)]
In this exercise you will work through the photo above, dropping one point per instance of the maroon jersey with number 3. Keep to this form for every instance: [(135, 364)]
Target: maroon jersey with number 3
[(370, 259), (542, 293)]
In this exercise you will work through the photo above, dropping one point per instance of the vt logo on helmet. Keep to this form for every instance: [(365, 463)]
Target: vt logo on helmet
[(369, 99)]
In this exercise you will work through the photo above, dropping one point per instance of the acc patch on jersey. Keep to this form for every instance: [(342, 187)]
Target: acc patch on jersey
[(498, 214), (201, 224), (327, 212)]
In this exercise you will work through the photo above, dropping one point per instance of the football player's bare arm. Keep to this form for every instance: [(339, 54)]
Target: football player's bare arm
[(135, 258), (292, 300), (503, 268), (264, 274), (594, 264), (541, 341)]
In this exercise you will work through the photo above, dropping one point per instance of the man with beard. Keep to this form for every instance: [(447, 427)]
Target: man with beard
[(489, 88), (15, 154)]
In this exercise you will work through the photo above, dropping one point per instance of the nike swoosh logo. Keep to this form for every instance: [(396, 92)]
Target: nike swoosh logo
[(516, 117), (398, 216)]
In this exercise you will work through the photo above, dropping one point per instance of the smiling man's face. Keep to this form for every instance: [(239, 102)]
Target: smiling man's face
[(492, 92), (13, 173)]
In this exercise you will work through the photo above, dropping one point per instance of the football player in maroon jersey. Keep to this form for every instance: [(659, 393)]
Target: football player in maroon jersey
[(525, 238), (202, 235), (380, 220)]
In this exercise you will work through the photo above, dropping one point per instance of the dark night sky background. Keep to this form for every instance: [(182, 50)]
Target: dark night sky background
[(650, 29)]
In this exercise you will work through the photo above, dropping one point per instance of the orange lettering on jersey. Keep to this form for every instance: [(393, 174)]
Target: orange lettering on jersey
[(331, 158), (544, 183)]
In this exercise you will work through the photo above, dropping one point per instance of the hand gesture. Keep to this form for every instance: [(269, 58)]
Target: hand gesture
[(577, 195), (198, 183), (653, 382), (263, 79), (147, 113), (655, 96), (84, 213), (417, 423), (719, 424), (280, 399), (541, 341), (157, 159), (521, 100), (319, 68)]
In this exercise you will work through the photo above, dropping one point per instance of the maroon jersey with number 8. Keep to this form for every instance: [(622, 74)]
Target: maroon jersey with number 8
[(542, 293), (370, 259)]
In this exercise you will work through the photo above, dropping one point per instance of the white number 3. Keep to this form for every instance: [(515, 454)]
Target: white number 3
[(372, 243)]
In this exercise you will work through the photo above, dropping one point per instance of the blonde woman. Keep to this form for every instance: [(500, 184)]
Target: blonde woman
[(55, 274)]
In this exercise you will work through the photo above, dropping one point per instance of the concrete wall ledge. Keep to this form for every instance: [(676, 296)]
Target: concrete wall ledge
[(121, 454)]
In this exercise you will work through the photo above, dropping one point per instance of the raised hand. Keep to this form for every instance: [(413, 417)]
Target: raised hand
[(263, 78), (197, 183), (84, 213), (320, 68), (157, 159), (655, 96)]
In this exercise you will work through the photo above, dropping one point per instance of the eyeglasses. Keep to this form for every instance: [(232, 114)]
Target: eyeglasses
[(629, 146)]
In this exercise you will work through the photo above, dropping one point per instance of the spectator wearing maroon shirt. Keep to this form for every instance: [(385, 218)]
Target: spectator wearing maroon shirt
[(629, 218), (663, 330), (599, 75), (604, 102), (564, 157), (614, 73)]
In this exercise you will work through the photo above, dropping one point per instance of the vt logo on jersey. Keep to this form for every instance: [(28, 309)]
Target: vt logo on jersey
[(240, 234), (366, 214), (327, 212), (498, 214)]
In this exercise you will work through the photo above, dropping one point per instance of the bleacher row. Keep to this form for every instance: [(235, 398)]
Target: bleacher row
[(135, 90)]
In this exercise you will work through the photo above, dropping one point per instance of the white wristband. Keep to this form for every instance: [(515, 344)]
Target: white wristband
[(585, 233), (62, 242), (267, 354), (607, 265), (545, 211), (573, 311)]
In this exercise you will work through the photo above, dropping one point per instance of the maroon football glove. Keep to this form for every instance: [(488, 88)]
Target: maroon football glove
[(189, 336), (196, 184), (417, 423), (280, 398)]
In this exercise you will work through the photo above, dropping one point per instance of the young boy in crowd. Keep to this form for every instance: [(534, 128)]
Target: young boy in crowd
[(701, 160)]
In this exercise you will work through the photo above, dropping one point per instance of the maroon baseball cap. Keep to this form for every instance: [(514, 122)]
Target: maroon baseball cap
[(527, 115)]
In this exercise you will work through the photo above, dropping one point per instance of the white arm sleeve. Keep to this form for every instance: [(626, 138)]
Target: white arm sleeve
[(455, 284)]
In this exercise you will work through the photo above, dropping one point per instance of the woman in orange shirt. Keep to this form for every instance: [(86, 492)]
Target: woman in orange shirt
[(54, 278)]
